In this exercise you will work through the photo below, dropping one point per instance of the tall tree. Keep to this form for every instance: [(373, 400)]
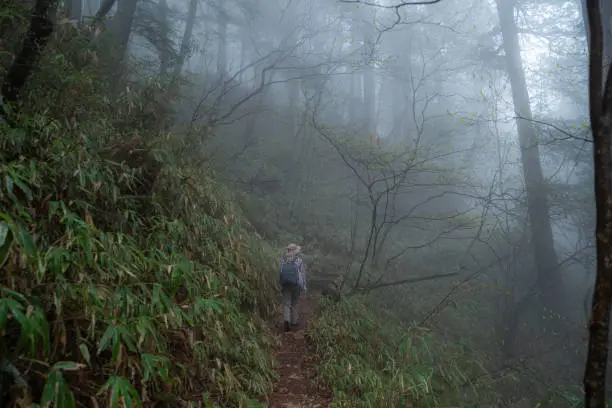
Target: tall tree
[(74, 9), (121, 27), (164, 56), (537, 200), (606, 10), (105, 8), (357, 108), (222, 40), (600, 110), (41, 28), (91, 6), (186, 41), (369, 79)]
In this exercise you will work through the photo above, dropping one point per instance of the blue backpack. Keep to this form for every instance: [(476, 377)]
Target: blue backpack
[(289, 274)]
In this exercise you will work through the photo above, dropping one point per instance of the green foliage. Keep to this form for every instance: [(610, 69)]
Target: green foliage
[(371, 359), (128, 276), (14, 19)]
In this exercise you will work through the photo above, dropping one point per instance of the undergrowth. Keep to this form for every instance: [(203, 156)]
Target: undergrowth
[(371, 359), (127, 275)]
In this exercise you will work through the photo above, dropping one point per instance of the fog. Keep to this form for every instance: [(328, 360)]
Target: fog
[(436, 158), (389, 135)]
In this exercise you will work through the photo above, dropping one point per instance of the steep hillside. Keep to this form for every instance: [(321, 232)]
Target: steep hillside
[(128, 276)]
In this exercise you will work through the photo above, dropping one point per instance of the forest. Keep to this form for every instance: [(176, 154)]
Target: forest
[(445, 165)]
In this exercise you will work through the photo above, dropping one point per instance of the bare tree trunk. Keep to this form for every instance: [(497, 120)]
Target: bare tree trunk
[(601, 124), (243, 53), (41, 28), (122, 27), (74, 9), (186, 42), (400, 113), (294, 106), (356, 85), (606, 14), (91, 7), (537, 200), (350, 108), (369, 82), (354, 100), (104, 9), (164, 56), (222, 42), (585, 20), (369, 101)]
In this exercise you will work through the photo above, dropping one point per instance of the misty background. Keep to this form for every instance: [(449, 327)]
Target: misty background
[(436, 158), (327, 113)]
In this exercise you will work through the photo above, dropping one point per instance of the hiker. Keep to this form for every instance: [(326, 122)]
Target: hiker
[(293, 283)]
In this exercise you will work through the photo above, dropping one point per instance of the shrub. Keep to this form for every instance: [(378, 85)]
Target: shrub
[(128, 276), (373, 360)]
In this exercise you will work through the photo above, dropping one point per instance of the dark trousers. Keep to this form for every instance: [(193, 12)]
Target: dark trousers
[(291, 297)]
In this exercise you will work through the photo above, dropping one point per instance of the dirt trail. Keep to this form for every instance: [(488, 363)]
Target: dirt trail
[(296, 387)]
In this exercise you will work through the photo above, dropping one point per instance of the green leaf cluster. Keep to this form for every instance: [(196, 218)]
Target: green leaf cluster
[(127, 275), (371, 359)]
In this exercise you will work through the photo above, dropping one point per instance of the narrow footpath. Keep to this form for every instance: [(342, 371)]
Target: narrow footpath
[(296, 387)]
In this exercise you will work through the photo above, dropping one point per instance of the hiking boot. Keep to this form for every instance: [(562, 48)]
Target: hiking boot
[(287, 327), (295, 325)]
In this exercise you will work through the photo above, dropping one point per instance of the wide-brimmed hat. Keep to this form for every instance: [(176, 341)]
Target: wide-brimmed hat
[(294, 248)]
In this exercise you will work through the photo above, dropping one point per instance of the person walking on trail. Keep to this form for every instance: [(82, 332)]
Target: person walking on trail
[(293, 283)]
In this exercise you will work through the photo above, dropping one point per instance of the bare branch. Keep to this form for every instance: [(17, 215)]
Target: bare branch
[(408, 280), (393, 6), (557, 128)]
